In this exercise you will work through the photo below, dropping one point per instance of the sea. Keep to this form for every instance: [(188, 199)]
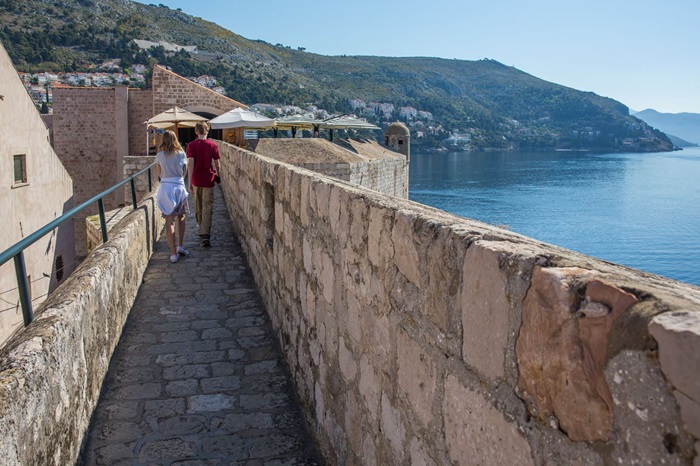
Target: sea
[(641, 210)]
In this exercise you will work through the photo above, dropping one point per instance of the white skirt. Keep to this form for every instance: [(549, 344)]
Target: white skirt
[(172, 197)]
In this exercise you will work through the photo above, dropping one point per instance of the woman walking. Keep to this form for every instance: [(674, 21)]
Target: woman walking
[(171, 164)]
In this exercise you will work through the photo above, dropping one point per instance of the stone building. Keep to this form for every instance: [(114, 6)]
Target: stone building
[(35, 189), (398, 137), (95, 129), (364, 163)]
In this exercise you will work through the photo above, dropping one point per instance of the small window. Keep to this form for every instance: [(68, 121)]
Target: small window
[(59, 268), (20, 168)]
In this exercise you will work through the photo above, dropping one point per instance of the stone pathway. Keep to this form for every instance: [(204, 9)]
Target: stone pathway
[(197, 378)]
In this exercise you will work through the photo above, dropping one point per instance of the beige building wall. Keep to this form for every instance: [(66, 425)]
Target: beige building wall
[(26, 207)]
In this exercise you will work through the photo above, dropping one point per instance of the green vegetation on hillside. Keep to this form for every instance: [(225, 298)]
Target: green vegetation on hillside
[(500, 107)]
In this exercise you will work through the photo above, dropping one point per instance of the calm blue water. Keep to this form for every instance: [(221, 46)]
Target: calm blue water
[(639, 210)]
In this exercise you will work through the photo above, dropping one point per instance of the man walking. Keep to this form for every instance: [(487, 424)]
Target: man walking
[(202, 167)]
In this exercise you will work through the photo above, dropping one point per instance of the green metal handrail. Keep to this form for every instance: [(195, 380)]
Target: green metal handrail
[(16, 251)]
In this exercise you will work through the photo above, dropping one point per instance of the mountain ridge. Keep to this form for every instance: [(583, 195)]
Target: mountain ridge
[(684, 125), (499, 106)]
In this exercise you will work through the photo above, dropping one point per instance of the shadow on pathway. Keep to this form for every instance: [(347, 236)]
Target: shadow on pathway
[(197, 377)]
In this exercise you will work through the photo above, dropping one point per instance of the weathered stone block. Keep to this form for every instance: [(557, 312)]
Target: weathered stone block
[(353, 317), (690, 413), (405, 252), (334, 209), (321, 196), (370, 388), (417, 377), (327, 276), (379, 246), (476, 432), (678, 334), (561, 349), (348, 366), (485, 310), (646, 412), (392, 426), (418, 454), (377, 336)]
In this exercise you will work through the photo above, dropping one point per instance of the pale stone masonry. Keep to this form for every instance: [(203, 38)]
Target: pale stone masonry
[(51, 373), (197, 377), (363, 163), (418, 337)]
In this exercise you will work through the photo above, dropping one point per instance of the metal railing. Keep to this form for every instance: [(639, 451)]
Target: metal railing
[(16, 251)]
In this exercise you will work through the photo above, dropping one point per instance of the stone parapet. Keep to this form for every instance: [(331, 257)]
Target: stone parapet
[(132, 165), (419, 337), (51, 373)]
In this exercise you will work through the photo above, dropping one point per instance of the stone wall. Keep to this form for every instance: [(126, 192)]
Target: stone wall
[(85, 139), (170, 90), (133, 165), (389, 176), (140, 110), (361, 162), (51, 373), (418, 337)]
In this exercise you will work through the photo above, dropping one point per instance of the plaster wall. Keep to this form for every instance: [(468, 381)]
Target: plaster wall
[(51, 373), (26, 207), (418, 337)]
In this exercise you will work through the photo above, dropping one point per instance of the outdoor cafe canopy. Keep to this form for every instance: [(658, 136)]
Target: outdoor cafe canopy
[(241, 118), (297, 121), (175, 116), (347, 123)]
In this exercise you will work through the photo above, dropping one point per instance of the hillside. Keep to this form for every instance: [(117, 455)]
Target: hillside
[(500, 107), (682, 125)]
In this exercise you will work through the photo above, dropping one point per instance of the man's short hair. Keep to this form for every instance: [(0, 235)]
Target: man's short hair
[(202, 127)]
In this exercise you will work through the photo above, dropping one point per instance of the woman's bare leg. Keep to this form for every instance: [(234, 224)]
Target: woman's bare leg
[(181, 220), (170, 233)]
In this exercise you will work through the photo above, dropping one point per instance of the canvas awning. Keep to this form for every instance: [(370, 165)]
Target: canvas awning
[(347, 123), (241, 118), (175, 116), (297, 121)]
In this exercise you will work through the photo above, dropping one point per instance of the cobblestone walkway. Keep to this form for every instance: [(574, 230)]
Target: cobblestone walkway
[(197, 378)]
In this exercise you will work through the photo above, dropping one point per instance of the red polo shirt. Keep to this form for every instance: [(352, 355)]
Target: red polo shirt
[(204, 152)]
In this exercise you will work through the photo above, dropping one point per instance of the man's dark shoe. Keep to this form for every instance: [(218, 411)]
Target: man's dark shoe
[(205, 241)]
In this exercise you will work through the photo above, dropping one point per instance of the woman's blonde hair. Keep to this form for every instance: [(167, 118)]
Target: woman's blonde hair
[(170, 144)]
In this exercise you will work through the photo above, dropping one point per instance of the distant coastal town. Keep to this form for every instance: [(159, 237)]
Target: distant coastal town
[(40, 87)]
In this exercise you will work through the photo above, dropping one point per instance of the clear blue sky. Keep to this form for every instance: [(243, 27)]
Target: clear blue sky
[(643, 53)]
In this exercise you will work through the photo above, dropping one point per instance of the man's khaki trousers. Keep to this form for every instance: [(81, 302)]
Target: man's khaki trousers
[(203, 206)]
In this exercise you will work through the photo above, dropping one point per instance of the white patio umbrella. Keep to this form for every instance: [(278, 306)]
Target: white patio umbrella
[(346, 123), (298, 121), (241, 118)]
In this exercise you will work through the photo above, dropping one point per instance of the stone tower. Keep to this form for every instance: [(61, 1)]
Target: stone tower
[(398, 137)]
